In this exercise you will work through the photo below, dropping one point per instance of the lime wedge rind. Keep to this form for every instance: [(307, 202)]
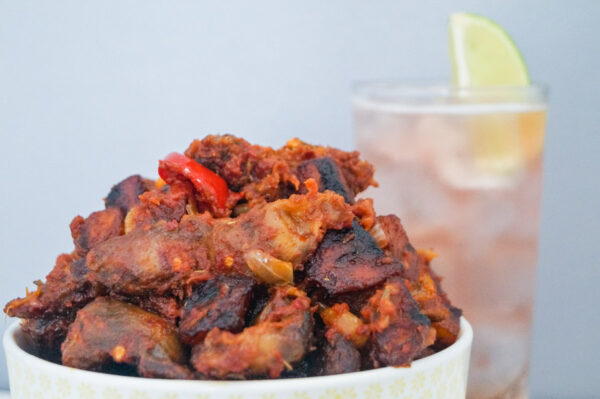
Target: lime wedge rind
[(483, 54)]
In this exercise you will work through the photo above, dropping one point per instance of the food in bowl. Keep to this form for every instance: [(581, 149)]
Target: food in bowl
[(240, 262)]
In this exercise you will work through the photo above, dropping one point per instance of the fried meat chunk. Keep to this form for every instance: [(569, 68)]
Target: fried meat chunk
[(221, 303), (281, 337), (257, 172), (125, 194), (45, 335), (156, 261), (327, 175), (107, 330), (350, 260), (434, 303), (263, 174), (95, 229), (65, 290), (396, 243), (399, 330), (48, 311), (423, 284), (289, 230), (166, 306), (358, 174), (169, 202), (339, 354)]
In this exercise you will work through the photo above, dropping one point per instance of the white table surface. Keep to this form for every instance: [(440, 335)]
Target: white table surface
[(4, 395)]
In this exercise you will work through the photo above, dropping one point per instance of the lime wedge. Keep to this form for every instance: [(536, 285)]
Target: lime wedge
[(483, 54)]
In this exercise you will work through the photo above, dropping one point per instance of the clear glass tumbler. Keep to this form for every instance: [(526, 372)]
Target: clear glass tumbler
[(462, 167)]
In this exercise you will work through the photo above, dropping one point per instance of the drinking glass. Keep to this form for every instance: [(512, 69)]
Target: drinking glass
[(462, 167)]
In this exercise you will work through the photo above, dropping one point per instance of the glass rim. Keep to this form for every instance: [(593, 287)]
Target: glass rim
[(407, 91)]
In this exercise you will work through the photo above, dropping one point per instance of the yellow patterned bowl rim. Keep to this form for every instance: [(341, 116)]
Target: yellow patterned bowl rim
[(459, 351)]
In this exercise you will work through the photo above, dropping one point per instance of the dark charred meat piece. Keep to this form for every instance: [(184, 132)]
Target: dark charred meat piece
[(350, 260), (447, 329), (339, 354), (281, 337), (96, 228), (48, 311), (258, 301), (166, 306), (356, 300), (45, 335), (221, 303), (125, 194), (327, 175), (309, 366), (426, 352), (64, 291), (399, 331), (433, 301), (155, 261), (358, 174), (108, 330), (166, 203), (397, 244)]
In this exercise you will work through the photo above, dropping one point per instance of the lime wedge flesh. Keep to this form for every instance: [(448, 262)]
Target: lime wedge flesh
[(483, 54)]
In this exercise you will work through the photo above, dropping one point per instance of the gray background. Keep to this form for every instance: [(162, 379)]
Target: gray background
[(93, 91)]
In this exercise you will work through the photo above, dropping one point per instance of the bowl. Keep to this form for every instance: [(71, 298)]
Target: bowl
[(442, 375)]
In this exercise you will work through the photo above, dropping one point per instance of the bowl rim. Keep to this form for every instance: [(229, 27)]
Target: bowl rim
[(462, 344)]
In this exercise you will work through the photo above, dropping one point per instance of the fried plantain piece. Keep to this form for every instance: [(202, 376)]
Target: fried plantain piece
[(221, 303), (399, 331), (281, 337), (350, 260), (107, 330)]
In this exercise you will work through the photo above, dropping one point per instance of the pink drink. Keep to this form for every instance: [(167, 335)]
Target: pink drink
[(463, 169)]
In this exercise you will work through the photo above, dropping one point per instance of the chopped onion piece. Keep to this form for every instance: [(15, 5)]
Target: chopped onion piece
[(268, 268), (379, 235), (241, 209), (349, 325), (129, 222)]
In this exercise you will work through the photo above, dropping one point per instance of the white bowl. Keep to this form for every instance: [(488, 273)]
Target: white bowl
[(442, 375)]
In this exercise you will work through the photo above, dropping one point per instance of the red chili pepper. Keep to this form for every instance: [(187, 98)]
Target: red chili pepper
[(210, 185)]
